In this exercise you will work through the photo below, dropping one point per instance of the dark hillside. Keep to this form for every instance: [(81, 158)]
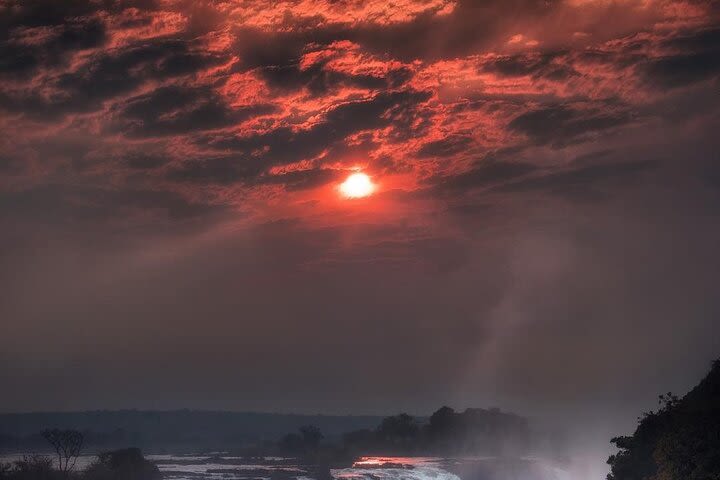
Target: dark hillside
[(680, 441)]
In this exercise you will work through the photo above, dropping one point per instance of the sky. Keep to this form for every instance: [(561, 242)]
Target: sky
[(542, 235)]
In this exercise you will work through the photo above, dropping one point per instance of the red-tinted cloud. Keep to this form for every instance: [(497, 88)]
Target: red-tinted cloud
[(234, 100)]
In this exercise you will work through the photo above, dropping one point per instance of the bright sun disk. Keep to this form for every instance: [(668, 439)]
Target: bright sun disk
[(357, 185)]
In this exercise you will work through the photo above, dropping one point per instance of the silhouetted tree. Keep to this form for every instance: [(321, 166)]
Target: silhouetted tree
[(67, 445), (398, 428), (308, 440), (443, 422)]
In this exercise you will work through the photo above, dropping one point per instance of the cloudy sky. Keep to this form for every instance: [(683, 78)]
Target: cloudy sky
[(543, 234)]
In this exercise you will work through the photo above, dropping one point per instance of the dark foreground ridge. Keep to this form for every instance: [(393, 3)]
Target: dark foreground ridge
[(680, 441)]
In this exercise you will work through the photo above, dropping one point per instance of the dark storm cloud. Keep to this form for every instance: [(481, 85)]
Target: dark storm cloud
[(175, 110), (682, 70), (445, 147), (707, 39), (537, 66), (221, 170), (14, 61), (19, 60), (144, 161), (562, 124), (686, 57), (582, 182), (62, 203), (429, 36), (106, 76), (301, 180), (42, 33), (586, 178), (283, 145), (318, 80), (485, 173), (472, 25), (39, 13), (280, 67)]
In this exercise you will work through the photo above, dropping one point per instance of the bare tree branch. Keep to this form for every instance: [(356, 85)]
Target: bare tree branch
[(67, 445)]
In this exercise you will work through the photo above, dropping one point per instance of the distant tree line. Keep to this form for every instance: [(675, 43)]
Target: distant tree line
[(179, 430), (98, 440), (473, 431)]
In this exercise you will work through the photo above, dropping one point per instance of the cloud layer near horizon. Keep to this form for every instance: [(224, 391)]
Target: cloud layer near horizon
[(544, 234)]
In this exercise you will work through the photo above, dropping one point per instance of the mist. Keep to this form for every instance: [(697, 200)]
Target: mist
[(538, 230)]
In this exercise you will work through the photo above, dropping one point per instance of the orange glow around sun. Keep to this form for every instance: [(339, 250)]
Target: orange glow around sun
[(357, 185)]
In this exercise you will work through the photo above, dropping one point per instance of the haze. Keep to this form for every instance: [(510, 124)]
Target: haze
[(544, 236)]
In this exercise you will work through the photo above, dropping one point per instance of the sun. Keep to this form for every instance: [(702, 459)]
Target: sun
[(357, 185)]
